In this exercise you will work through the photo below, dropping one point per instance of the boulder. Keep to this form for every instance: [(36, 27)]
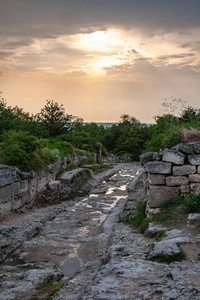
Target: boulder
[(150, 156), (158, 194), (159, 167), (176, 180), (194, 159), (173, 156), (183, 170)]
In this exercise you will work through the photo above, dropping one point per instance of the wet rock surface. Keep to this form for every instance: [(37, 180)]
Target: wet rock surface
[(84, 244)]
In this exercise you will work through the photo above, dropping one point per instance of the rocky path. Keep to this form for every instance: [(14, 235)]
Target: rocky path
[(83, 245)]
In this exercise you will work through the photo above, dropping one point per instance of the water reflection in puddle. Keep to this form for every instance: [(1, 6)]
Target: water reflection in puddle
[(70, 267)]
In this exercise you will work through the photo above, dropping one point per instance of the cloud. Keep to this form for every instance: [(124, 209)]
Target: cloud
[(185, 45)]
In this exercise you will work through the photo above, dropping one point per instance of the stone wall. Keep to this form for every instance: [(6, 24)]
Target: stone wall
[(18, 188), (171, 173)]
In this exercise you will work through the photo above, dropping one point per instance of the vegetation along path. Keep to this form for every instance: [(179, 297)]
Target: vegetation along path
[(81, 250)]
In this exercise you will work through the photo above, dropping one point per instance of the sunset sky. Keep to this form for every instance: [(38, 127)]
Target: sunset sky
[(101, 59)]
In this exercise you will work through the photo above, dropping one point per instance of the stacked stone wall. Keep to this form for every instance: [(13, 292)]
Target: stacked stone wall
[(171, 173), (18, 188)]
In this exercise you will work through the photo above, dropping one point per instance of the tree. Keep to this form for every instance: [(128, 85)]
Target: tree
[(54, 118)]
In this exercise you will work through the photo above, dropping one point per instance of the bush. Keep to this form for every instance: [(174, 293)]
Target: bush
[(192, 203), (24, 151)]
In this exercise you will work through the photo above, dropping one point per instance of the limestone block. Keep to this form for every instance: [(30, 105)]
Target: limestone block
[(195, 187), (150, 156), (194, 159), (158, 194), (183, 170), (6, 177), (185, 189), (156, 179), (198, 169), (3, 194), (15, 188), (24, 186), (5, 207), (176, 180), (159, 167), (173, 156), (25, 198), (194, 178), (16, 203), (189, 148)]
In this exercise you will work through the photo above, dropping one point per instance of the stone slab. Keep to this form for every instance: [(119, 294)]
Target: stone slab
[(176, 180), (159, 167), (156, 179), (194, 159), (183, 170), (173, 156), (150, 156), (158, 194)]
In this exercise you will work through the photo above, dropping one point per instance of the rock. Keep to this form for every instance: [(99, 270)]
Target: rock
[(185, 189), (156, 179), (158, 194), (163, 247), (193, 217), (173, 156), (54, 185), (158, 167), (176, 180), (150, 156), (154, 229), (194, 178), (194, 159), (183, 170), (195, 187), (189, 148)]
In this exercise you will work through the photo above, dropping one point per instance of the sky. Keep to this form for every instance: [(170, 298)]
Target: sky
[(100, 59)]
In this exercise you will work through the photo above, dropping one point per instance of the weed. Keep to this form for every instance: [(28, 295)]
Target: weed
[(139, 217), (49, 288), (167, 258)]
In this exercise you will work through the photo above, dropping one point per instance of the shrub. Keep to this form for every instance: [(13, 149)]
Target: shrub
[(192, 203), (24, 151)]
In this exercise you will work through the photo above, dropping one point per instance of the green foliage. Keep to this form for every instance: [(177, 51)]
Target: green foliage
[(24, 151), (167, 258), (192, 203)]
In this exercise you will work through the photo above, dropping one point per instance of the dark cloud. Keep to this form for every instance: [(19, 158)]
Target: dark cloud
[(16, 44), (185, 55), (4, 55), (186, 45), (49, 18)]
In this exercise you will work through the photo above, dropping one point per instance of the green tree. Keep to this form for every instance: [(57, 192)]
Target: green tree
[(55, 120)]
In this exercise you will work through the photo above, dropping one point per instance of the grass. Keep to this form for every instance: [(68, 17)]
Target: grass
[(49, 289), (139, 219), (100, 167), (167, 258), (173, 213)]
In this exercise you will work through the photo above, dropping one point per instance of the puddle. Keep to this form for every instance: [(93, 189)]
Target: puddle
[(70, 267)]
